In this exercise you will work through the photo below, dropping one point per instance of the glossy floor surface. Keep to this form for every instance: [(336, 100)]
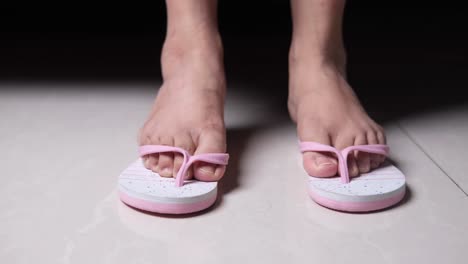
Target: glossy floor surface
[(64, 145)]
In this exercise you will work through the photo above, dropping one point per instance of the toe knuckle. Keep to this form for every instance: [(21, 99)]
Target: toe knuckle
[(379, 128), (145, 139), (359, 131), (153, 138), (381, 136)]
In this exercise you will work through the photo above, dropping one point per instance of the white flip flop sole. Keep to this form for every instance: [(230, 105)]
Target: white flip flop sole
[(143, 189), (378, 189)]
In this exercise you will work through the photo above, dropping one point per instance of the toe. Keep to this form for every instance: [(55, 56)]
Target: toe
[(362, 158), (363, 162), (178, 160), (219, 172), (318, 164), (206, 171), (166, 164), (166, 159), (381, 139), (375, 137), (374, 161), (145, 161), (212, 141), (352, 166), (380, 134), (152, 162)]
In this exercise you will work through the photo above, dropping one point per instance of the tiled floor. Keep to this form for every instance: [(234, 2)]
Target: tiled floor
[(63, 146)]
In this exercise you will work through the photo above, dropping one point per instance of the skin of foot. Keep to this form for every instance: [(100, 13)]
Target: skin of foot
[(326, 110), (188, 111), (321, 102), (189, 108)]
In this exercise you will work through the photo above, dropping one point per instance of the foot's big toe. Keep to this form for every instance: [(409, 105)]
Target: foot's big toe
[(208, 172), (210, 142), (319, 164)]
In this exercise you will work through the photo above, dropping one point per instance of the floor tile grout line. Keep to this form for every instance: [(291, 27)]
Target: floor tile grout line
[(429, 156)]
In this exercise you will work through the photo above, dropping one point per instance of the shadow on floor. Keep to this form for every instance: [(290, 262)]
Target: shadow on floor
[(237, 141)]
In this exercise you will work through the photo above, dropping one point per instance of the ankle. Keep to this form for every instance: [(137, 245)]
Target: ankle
[(309, 55), (309, 62), (199, 46)]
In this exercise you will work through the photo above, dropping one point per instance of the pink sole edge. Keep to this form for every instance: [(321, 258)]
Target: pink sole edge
[(357, 206), (166, 208)]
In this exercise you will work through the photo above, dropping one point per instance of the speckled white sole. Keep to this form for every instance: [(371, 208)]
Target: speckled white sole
[(380, 184), (140, 183)]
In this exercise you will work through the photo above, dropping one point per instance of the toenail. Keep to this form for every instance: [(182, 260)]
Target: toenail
[(166, 172), (323, 161), (208, 169)]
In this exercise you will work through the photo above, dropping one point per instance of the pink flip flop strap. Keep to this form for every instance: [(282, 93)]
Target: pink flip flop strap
[(214, 158), (342, 155)]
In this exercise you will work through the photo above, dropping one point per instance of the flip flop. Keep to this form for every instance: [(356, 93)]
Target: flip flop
[(143, 189), (378, 189)]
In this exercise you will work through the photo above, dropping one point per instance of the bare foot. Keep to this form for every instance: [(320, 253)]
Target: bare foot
[(327, 111), (188, 111)]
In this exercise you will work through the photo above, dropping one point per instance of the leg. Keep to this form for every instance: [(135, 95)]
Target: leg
[(188, 111), (321, 101)]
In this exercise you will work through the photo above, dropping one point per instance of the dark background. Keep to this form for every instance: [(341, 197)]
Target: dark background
[(401, 58)]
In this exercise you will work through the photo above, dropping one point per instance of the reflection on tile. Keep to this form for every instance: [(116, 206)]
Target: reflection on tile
[(443, 136)]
